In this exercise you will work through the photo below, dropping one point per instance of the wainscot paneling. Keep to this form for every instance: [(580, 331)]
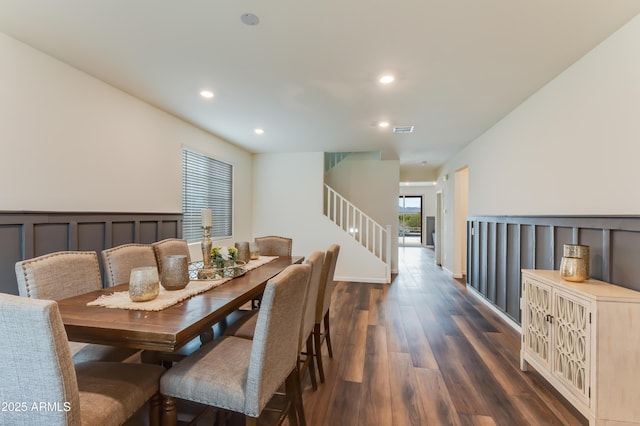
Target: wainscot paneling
[(500, 246), (24, 235)]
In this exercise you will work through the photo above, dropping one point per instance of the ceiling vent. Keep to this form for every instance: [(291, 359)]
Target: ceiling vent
[(403, 129)]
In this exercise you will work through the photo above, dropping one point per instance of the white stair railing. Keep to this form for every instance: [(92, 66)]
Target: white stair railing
[(373, 236)]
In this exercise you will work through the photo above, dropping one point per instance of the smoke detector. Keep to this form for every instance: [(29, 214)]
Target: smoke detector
[(249, 19)]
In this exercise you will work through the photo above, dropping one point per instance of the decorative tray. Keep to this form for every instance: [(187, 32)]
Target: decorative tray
[(198, 272)]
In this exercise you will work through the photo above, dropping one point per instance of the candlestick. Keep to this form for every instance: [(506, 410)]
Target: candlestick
[(206, 244), (207, 219)]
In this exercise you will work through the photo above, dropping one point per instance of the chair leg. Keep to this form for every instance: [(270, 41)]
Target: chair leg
[(155, 409), (327, 333), (318, 351), (298, 394), (294, 395), (169, 412), (309, 360)]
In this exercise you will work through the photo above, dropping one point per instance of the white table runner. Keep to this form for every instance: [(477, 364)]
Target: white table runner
[(121, 300)]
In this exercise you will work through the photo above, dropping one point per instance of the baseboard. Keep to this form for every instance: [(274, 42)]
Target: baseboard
[(491, 306), (371, 280), (458, 276)]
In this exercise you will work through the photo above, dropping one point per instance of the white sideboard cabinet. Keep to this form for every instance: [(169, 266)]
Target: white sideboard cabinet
[(584, 339)]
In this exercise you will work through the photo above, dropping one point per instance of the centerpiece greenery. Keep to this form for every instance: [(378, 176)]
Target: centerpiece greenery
[(224, 256)]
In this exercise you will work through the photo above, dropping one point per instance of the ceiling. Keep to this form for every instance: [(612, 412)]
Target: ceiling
[(307, 73)]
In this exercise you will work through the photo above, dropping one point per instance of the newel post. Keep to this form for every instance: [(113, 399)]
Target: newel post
[(388, 254)]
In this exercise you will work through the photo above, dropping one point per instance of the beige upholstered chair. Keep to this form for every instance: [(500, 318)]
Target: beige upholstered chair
[(161, 249), (315, 259), (170, 247), (65, 274), (327, 284), (246, 329), (274, 246), (119, 261), (242, 375), (37, 369), (59, 275)]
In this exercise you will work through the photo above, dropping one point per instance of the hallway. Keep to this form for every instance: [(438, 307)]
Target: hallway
[(422, 351)]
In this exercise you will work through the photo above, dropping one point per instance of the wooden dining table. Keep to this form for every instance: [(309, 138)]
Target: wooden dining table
[(171, 328)]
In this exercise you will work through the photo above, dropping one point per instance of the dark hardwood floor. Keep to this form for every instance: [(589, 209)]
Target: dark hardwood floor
[(422, 351)]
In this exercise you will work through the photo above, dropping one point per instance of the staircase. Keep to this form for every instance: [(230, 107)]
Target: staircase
[(366, 231)]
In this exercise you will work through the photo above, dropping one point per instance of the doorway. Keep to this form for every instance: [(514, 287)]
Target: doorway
[(461, 209), (410, 220), (438, 241)]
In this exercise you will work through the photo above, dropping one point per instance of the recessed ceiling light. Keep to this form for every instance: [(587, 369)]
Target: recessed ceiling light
[(258, 131), (386, 79), (383, 124), (206, 94)]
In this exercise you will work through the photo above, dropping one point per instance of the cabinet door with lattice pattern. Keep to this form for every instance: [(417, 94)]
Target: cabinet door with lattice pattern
[(572, 343), (536, 321)]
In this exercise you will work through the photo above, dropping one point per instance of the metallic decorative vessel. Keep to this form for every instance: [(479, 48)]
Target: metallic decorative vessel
[(144, 283), (254, 251), (574, 269), (577, 250), (175, 272), (244, 254)]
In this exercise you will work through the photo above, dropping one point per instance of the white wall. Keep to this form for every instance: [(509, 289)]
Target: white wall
[(288, 200), (571, 149), (70, 142), (428, 194), (418, 173), (372, 185)]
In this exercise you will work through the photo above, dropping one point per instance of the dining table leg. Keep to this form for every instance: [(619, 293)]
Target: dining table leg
[(206, 335)]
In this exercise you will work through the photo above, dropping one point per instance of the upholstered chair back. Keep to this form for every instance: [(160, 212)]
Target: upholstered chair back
[(170, 247), (274, 352), (274, 246), (37, 369), (59, 275), (315, 260), (65, 274), (36, 363), (119, 261), (327, 283)]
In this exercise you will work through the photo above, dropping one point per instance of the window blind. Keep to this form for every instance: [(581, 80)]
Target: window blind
[(206, 184)]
